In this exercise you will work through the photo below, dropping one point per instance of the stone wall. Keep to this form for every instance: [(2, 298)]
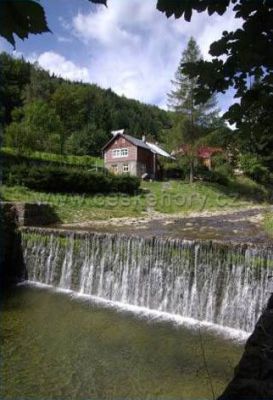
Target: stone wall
[(12, 216), (31, 214)]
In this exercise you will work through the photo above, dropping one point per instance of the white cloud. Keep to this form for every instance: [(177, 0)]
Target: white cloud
[(64, 39), (132, 48), (60, 66), (135, 49)]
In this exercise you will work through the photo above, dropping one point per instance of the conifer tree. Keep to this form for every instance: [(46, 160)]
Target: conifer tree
[(182, 100)]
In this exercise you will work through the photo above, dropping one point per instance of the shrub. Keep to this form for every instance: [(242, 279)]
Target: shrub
[(176, 169), (254, 168), (69, 180), (214, 176)]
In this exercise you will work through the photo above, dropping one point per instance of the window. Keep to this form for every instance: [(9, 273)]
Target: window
[(116, 153), (124, 152), (125, 168), (114, 168)]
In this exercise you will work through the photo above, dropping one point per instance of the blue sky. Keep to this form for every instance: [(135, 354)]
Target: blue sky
[(129, 46)]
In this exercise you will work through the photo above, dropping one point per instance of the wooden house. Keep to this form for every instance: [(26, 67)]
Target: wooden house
[(125, 154)]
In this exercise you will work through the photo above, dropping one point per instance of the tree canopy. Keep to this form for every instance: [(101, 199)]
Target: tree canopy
[(73, 117), (242, 61)]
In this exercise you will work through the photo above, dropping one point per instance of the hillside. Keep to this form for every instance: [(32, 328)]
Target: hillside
[(41, 112)]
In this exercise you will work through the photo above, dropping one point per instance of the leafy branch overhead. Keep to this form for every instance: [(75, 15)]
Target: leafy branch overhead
[(21, 18), (242, 60), (24, 17)]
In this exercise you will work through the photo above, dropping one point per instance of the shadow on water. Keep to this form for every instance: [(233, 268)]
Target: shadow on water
[(253, 375), (12, 267)]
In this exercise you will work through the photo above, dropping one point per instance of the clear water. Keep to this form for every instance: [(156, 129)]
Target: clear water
[(57, 347)]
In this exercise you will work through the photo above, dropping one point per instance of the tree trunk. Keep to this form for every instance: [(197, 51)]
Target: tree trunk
[(191, 171)]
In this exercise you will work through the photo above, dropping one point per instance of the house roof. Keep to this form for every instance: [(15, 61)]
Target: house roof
[(202, 151), (131, 139), (136, 142), (156, 149), (207, 152), (139, 143)]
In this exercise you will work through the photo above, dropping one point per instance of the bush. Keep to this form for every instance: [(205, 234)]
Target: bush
[(214, 176), (176, 169), (221, 171), (69, 180), (254, 168)]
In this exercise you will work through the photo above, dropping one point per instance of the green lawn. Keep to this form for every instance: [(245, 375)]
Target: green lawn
[(164, 197)]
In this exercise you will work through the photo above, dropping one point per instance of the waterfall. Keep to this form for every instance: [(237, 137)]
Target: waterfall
[(220, 283)]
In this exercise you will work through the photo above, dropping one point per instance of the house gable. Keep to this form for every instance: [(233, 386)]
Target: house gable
[(126, 154), (120, 149)]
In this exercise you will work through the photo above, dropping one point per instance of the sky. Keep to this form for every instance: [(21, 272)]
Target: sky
[(129, 46)]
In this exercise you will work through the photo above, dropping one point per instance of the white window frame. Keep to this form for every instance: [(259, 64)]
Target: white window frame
[(120, 153), (125, 168)]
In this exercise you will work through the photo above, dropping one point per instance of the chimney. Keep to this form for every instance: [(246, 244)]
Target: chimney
[(144, 138), (119, 132)]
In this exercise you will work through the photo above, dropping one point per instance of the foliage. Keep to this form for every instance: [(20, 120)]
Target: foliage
[(182, 97), (81, 115), (268, 223), (35, 127), (24, 17), (13, 156), (69, 180), (21, 18), (195, 117), (253, 167), (176, 169), (241, 60), (254, 123), (86, 141), (14, 76)]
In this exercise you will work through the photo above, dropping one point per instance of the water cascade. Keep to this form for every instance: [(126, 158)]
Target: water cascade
[(220, 283)]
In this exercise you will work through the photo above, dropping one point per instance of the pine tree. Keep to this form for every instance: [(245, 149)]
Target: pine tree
[(182, 100)]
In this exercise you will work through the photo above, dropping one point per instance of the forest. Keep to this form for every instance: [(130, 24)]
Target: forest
[(47, 113)]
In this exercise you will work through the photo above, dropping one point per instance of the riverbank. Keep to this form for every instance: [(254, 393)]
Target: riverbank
[(243, 226), (165, 209), (154, 199)]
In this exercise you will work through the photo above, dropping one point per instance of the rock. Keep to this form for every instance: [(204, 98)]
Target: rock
[(253, 377)]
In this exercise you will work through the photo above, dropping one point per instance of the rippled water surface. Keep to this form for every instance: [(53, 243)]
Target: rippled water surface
[(57, 347)]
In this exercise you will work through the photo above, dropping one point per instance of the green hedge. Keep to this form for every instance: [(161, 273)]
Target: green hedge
[(69, 180), (9, 157)]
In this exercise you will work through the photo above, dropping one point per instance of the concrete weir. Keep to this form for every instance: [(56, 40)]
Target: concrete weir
[(222, 283)]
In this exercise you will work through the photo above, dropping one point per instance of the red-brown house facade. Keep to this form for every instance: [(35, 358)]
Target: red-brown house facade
[(126, 154)]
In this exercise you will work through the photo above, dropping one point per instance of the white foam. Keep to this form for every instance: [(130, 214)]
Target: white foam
[(154, 316)]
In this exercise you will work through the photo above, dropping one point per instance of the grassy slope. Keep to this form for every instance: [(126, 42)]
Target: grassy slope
[(62, 159), (163, 197)]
